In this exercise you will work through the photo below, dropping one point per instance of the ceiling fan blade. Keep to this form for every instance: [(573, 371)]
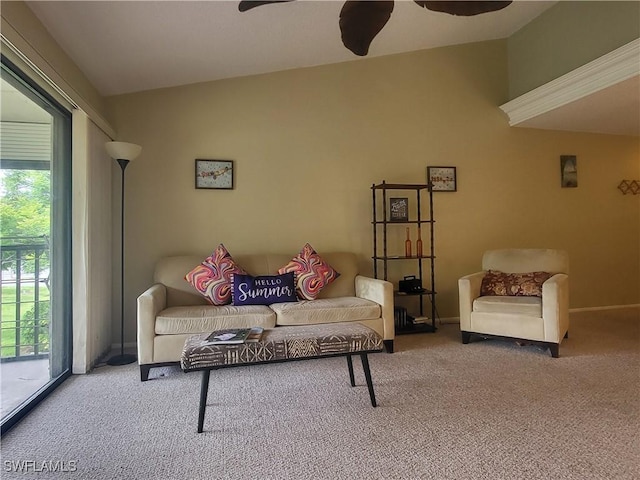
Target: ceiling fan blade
[(247, 5), (361, 21), (463, 8)]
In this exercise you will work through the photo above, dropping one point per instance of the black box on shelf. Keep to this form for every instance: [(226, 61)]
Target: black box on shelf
[(410, 284)]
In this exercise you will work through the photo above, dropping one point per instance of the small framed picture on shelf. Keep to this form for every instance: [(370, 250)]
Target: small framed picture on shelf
[(216, 174), (399, 209), (442, 179)]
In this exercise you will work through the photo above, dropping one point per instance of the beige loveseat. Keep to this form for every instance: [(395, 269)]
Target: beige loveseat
[(171, 310)]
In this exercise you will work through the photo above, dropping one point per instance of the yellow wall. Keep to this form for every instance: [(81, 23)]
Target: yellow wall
[(309, 143)]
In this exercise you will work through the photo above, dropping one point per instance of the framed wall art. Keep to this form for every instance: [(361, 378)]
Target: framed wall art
[(399, 209), (442, 179), (568, 171), (216, 174)]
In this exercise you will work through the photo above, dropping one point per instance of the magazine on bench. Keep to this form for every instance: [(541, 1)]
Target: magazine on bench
[(228, 336), (231, 336)]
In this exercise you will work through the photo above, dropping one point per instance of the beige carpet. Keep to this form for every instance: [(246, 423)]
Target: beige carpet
[(487, 410)]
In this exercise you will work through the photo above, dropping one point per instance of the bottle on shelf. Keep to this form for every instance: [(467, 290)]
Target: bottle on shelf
[(419, 243), (407, 245)]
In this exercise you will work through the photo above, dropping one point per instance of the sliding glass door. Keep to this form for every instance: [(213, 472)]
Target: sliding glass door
[(35, 233)]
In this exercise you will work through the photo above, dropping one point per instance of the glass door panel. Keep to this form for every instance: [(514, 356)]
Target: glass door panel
[(35, 290)]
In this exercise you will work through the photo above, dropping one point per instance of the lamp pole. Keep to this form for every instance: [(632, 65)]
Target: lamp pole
[(122, 359), (123, 153)]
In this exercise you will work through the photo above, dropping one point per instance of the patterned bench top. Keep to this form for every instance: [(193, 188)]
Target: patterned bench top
[(282, 343)]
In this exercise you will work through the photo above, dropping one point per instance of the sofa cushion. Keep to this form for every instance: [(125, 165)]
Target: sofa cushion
[(212, 278), (312, 272), (513, 284), (325, 310), (207, 318), (530, 306), (264, 289)]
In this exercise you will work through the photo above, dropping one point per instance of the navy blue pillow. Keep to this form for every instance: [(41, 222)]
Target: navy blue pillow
[(264, 289)]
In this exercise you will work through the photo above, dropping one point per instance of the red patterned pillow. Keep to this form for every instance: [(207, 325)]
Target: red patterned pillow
[(312, 273), (213, 277), (513, 284)]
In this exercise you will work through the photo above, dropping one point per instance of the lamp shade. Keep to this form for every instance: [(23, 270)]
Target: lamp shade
[(122, 150)]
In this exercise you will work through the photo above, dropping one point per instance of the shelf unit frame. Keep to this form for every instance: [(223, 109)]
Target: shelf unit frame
[(384, 259)]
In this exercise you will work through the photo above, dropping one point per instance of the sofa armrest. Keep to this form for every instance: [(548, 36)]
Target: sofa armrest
[(468, 291), (381, 292), (151, 302), (555, 307)]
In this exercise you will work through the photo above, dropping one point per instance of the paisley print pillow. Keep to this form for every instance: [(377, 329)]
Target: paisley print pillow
[(312, 273), (213, 277)]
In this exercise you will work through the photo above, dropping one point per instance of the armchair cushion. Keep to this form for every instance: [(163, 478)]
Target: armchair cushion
[(531, 306), (497, 283)]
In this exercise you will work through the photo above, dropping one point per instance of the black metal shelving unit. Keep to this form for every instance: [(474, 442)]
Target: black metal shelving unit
[(423, 264)]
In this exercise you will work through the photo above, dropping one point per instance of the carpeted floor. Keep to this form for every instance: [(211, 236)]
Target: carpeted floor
[(487, 410)]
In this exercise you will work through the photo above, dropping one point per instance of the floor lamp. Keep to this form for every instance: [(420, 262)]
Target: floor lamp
[(122, 153)]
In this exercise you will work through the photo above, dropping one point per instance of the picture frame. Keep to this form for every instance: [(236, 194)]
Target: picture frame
[(214, 174), (442, 179), (399, 209), (568, 171)]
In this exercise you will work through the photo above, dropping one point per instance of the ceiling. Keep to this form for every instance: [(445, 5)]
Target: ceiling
[(129, 46), (613, 110)]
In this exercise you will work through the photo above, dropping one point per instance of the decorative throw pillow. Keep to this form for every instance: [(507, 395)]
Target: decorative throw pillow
[(264, 290), (513, 284), (212, 278), (312, 273)]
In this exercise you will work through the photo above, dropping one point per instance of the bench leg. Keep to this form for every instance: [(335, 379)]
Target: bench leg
[(204, 389), (350, 366), (367, 375)]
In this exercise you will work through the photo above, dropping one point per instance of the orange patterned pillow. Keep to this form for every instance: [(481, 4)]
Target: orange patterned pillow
[(513, 284), (213, 277), (312, 273)]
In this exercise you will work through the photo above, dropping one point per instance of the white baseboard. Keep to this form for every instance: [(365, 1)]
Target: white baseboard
[(606, 307)]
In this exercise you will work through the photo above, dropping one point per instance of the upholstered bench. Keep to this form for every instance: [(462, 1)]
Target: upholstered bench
[(283, 344)]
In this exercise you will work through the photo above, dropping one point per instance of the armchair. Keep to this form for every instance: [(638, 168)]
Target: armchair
[(540, 319)]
